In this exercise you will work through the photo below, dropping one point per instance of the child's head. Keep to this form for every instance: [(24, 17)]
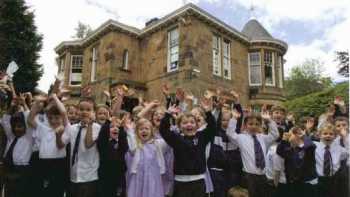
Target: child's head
[(225, 118), (253, 123), (54, 117), (136, 110), (278, 113), (86, 108), (72, 113), (327, 133), (144, 130), (237, 192), (157, 116), (341, 123), (102, 114), (296, 135), (18, 124), (199, 114), (187, 124)]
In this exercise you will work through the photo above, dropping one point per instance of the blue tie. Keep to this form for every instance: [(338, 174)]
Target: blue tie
[(327, 162), (259, 154)]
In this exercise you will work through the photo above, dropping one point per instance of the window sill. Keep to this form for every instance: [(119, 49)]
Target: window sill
[(125, 70)]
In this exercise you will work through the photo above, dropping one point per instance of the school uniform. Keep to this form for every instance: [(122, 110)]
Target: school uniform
[(253, 153), (111, 171), (269, 172), (52, 178), (328, 162), (189, 157), (278, 166), (17, 155), (84, 161), (300, 167), (218, 164)]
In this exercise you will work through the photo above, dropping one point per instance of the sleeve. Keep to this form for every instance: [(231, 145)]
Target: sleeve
[(123, 141), (284, 149), (210, 131), (67, 133), (96, 128), (6, 125), (174, 140), (273, 133), (102, 139), (277, 162), (238, 107), (231, 131)]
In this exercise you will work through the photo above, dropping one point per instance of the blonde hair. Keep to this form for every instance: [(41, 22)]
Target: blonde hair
[(139, 123), (237, 192), (327, 127)]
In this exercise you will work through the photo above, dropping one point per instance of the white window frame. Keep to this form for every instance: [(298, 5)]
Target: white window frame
[(71, 68), (172, 45), (280, 66), (94, 65), (62, 65), (126, 60), (216, 55), (272, 66), (227, 57), (249, 68)]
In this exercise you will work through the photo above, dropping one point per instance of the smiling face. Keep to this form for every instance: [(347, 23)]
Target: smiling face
[(278, 116), (226, 116), (114, 127), (144, 130), (188, 125), (102, 115), (199, 116), (253, 125), (341, 125), (327, 135), (86, 111), (72, 114), (157, 116)]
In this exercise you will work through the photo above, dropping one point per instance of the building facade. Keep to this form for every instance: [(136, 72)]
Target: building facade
[(188, 48)]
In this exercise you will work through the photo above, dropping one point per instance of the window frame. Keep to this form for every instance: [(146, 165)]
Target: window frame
[(170, 47), (125, 65), (272, 66), (249, 68), (227, 57), (71, 69), (217, 49), (93, 76)]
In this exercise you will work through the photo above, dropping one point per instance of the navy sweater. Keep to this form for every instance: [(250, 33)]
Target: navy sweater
[(189, 151), (300, 162)]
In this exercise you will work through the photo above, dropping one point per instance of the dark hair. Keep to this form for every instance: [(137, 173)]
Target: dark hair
[(341, 118), (18, 119), (278, 108), (252, 116), (89, 100), (53, 110)]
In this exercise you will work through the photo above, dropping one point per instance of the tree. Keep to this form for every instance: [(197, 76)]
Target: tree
[(19, 41), (306, 79), (342, 57), (82, 31)]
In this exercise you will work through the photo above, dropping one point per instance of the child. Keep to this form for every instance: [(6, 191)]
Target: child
[(102, 114), (328, 161), (189, 151), (17, 154), (279, 116), (72, 114), (298, 151), (237, 192), (112, 146), (145, 161), (53, 178), (253, 146), (84, 154)]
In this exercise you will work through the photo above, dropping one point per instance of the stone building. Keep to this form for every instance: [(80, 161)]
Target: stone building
[(187, 48)]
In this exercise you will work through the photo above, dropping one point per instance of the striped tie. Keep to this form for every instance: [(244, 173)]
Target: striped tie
[(259, 154), (327, 162)]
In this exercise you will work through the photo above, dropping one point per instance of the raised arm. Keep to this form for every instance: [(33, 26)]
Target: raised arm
[(36, 107), (89, 140), (284, 148), (273, 133), (62, 109)]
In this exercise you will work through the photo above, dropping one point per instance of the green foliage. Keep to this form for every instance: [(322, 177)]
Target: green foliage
[(316, 103), (19, 41), (306, 79), (82, 31)]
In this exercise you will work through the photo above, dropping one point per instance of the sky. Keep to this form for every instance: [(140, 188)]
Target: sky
[(313, 29)]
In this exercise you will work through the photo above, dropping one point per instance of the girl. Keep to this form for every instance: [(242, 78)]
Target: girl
[(102, 114), (145, 161), (189, 150)]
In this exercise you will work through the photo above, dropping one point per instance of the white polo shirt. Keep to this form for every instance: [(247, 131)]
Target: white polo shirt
[(87, 160)]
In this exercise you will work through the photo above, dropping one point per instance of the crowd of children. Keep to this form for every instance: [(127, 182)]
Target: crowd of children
[(181, 148)]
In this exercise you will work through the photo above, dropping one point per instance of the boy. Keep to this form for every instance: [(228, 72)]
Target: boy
[(253, 146), (279, 116), (298, 152), (84, 155), (329, 156)]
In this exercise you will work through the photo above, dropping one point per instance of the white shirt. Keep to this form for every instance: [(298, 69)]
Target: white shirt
[(338, 154), (245, 143), (45, 137), (269, 162), (87, 159), (278, 165), (42, 118), (23, 148)]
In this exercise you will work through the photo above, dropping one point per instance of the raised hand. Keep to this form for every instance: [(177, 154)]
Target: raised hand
[(180, 94), (165, 89), (265, 115), (309, 124), (236, 114)]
